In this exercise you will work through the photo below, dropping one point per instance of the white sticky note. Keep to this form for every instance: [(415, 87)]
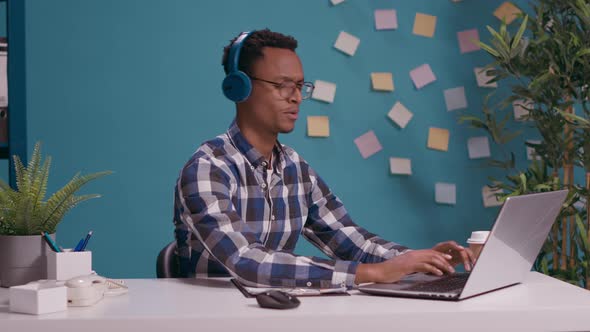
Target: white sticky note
[(400, 166), (336, 2), (482, 78), (347, 43), (422, 76), (400, 115), (368, 144), (479, 147), (455, 98), (581, 204), (385, 19), (489, 197), (520, 109), (324, 91), (530, 152), (445, 193)]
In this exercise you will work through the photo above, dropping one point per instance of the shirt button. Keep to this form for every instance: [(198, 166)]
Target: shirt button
[(264, 163), (272, 217), (309, 284), (263, 185), (251, 167)]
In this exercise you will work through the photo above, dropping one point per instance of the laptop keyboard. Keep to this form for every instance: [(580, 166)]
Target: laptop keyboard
[(443, 285)]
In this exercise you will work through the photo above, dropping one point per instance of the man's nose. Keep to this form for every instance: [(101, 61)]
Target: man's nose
[(296, 96)]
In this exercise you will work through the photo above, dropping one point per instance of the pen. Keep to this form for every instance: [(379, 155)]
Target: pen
[(50, 242), (86, 241), (79, 245)]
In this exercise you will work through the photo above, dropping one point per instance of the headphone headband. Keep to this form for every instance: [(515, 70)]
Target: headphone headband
[(234, 52)]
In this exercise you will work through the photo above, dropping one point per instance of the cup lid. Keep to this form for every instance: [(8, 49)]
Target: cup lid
[(478, 237)]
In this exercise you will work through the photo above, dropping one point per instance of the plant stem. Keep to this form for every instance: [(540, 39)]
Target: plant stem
[(587, 225), (555, 232), (568, 179)]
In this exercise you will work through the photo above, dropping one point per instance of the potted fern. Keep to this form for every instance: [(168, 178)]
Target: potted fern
[(25, 214)]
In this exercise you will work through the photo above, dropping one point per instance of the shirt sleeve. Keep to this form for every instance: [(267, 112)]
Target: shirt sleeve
[(330, 229), (207, 210)]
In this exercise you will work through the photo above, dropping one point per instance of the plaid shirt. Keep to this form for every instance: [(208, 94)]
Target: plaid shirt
[(231, 220)]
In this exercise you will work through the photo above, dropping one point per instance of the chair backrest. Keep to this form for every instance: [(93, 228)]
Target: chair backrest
[(167, 264)]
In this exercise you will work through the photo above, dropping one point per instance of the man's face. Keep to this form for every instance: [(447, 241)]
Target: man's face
[(268, 109)]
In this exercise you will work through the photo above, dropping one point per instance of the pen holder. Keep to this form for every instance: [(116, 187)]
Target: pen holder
[(68, 264), (38, 298)]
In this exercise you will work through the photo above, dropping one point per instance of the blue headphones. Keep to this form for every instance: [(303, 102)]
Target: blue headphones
[(236, 84)]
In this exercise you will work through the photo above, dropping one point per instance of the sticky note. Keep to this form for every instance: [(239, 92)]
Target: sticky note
[(400, 166), (468, 40), (455, 98), (507, 11), (318, 126), (385, 19), (422, 76), (400, 115), (424, 25), (489, 196), (324, 91), (581, 204), (336, 2), (530, 151), (438, 139), (482, 78), (478, 147), (445, 193), (347, 43), (520, 109), (368, 144), (382, 81)]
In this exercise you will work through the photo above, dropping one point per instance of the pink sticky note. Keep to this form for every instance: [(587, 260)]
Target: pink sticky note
[(385, 19), (422, 76), (468, 40), (368, 144)]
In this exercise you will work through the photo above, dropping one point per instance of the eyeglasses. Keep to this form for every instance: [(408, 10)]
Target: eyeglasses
[(287, 87)]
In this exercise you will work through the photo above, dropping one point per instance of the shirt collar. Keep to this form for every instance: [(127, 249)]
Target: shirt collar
[(252, 155)]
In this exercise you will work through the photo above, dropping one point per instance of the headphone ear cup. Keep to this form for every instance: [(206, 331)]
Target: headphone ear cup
[(237, 86)]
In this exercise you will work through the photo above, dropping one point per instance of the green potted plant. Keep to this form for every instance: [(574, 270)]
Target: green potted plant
[(25, 214), (547, 64)]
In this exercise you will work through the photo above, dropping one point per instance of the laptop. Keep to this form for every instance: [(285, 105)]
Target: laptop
[(513, 244)]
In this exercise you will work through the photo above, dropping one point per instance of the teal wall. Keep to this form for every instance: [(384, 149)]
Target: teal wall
[(134, 87)]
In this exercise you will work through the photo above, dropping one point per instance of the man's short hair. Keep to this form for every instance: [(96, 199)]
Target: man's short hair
[(252, 48)]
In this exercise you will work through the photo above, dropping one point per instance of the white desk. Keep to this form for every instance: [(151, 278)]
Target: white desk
[(540, 304)]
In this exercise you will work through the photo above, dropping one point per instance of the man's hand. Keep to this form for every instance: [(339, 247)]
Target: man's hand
[(392, 270), (459, 254)]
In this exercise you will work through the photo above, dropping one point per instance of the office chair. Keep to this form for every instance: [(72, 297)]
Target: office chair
[(167, 264)]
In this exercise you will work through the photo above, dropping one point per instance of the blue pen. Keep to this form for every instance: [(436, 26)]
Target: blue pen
[(86, 241), (79, 245), (50, 242)]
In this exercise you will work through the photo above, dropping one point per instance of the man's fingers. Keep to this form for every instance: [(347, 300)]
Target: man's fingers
[(466, 259), (440, 261), (425, 267)]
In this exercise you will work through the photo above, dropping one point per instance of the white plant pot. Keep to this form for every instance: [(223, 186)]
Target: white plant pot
[(22, 259)]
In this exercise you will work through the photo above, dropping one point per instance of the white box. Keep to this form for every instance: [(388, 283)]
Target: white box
[(38, 298), (68, 264)]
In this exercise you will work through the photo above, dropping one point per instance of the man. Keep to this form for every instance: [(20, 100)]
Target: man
[(243, 199)]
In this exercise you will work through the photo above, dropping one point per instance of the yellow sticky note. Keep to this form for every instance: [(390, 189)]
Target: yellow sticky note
[(424, 25), (318, 126), (438, 139), (507, 11), (382, 81)]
